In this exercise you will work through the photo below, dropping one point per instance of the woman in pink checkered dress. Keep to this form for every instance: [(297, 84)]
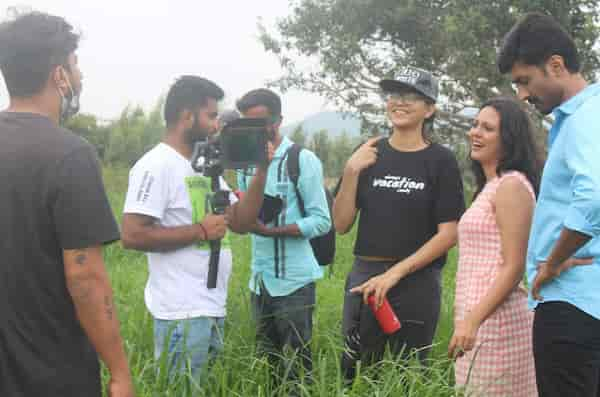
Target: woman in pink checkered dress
[(493, 326)]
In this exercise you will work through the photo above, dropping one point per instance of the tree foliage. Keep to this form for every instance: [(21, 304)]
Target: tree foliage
[(332, 151), (124, 140), (87, 126), (355, 43), (298, 136), (342, 147)]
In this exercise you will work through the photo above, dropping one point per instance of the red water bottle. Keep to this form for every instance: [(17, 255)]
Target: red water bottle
[(386, 317)]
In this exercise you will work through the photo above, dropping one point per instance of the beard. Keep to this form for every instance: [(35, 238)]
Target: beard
[(546, 107), (543, 107), (548, 99), (196, 134)]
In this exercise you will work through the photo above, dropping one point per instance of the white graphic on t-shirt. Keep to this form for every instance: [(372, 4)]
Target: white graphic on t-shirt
[(402, 184), (145, 186), (176, 286)]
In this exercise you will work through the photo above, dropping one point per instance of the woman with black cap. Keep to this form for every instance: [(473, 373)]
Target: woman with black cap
[(409, 193)]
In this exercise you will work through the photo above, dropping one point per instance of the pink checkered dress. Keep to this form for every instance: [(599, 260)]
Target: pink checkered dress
[(501, 364)]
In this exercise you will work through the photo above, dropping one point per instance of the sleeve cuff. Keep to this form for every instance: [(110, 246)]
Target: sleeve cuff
[(577, 221), (305, 229), (142, 211), (92, 242)]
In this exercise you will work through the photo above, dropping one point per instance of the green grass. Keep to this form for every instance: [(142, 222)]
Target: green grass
[(238, 371)]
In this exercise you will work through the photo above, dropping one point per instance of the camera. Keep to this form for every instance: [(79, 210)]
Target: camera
[(241, 144)]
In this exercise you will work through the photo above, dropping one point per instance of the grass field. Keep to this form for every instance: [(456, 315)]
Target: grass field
[(239, 372)]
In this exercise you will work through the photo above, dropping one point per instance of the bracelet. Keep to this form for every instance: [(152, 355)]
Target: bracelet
[(203, 231)]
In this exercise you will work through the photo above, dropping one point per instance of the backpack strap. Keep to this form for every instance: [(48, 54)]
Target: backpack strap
[(293, 169), (279, 259)]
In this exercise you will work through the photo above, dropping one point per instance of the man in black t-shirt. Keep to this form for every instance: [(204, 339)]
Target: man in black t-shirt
[(56, 302)]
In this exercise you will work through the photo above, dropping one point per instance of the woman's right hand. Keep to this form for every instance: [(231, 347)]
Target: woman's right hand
[(364, 157), (464, 337)]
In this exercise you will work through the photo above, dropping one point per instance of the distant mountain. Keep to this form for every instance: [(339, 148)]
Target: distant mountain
[(333, 122)]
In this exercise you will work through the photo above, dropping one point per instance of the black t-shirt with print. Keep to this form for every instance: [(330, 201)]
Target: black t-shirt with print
[(52, 198), (403, 197)]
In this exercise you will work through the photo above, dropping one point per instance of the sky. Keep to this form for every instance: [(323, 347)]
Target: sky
[(132, 50)]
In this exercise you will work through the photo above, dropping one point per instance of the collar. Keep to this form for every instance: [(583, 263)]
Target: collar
[(283, 147), (569, 107)]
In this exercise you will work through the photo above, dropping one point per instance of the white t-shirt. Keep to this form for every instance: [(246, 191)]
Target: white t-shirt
[(163, 185)]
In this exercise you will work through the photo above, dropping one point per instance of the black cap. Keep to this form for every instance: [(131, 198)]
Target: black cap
[(419, 80)]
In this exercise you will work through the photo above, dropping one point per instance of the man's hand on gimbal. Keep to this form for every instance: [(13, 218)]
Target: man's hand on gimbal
[(212, 227)]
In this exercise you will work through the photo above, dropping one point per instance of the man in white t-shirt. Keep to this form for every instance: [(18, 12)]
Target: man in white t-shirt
[(165, 216)]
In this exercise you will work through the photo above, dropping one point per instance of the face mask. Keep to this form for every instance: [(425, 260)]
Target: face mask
[(69, 104)]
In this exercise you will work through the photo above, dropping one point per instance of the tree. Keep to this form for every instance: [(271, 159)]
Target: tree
[(341, 150), (298, 136), (321, 146), (356, 43), (86, 125), (133, 134)]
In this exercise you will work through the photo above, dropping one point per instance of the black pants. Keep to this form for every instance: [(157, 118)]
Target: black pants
[(566, 347), (284, 329), (416, 302)]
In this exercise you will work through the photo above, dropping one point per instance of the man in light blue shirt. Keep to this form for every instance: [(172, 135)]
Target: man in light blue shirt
[(563, 260), (284, 268)]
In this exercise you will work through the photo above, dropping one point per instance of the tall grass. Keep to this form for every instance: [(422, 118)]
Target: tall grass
[(238, 371)]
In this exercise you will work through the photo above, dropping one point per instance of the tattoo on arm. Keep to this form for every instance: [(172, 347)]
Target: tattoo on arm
[(80, 290), (81, 257), (108, 306)]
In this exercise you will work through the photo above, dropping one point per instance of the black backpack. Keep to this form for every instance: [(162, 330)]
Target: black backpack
[(323, 246)]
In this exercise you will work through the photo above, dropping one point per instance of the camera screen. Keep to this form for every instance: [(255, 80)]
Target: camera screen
[(244, 143), (242, 147)]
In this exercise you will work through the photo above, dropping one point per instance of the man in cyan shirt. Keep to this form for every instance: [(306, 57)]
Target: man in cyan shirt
[(284, 268), (545, 68)]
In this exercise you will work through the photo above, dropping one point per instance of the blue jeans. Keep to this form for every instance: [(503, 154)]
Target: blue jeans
[(189, 343)]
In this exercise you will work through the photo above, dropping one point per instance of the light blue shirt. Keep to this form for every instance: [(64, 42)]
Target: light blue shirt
[(296, 264), (570, 198)]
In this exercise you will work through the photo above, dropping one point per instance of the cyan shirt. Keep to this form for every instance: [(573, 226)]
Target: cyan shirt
[(297, 265), (570, 198)]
